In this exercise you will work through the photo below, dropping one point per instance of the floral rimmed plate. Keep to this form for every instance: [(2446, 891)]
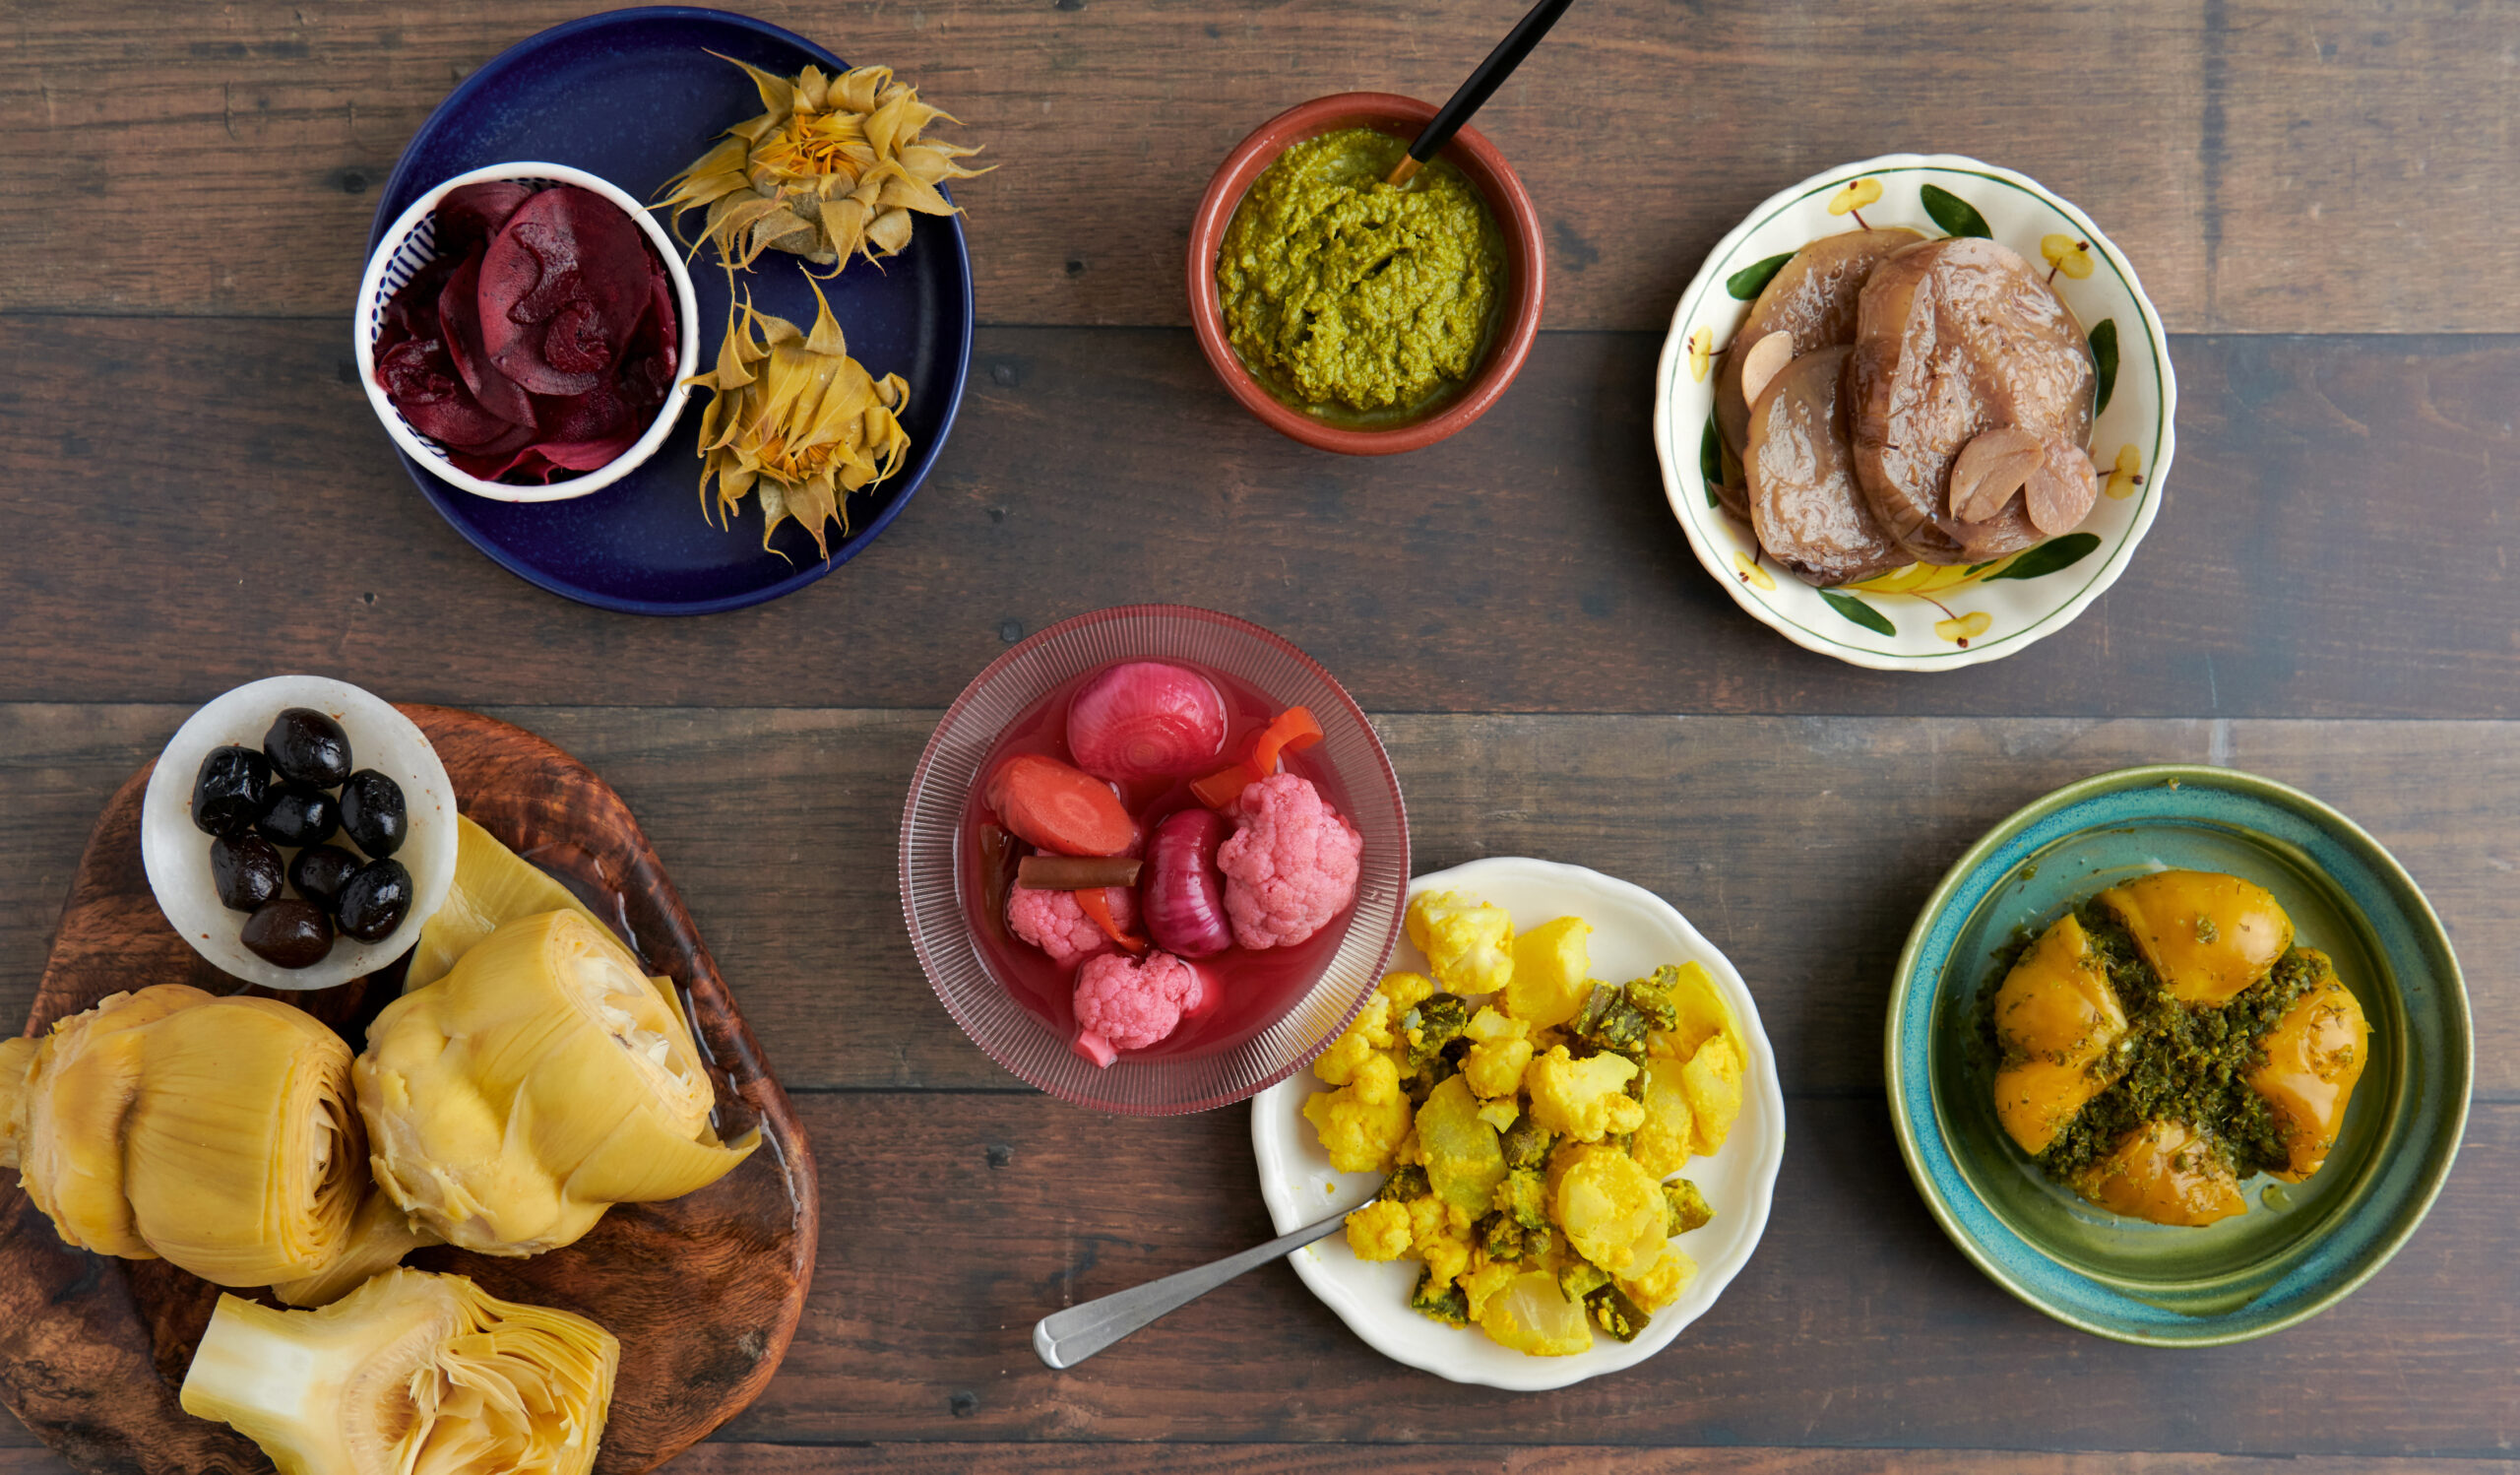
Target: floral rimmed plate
[(1922, 617), (2301, 1248), (1633, 932)]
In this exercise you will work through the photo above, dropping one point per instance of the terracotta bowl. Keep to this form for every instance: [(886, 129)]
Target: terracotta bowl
[(1473, 155)]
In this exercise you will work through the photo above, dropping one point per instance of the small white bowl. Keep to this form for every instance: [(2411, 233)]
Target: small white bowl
[(411, 243), (1939, 629), (1633, 932), (176, 854)]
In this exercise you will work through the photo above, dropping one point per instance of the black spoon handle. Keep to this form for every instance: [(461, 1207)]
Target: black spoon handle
[(1491, 74)]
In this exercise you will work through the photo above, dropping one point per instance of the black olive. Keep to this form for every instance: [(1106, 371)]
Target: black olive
[(319, 874), (289, 934), (372, 812), (309, 747), (229, 792), (298, 814), (375, 901), (245, 870)]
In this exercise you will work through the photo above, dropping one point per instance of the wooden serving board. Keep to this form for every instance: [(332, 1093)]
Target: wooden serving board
[(704, 1291)]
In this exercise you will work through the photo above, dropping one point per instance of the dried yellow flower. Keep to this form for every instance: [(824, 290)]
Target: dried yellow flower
[(834, 167), (797, 420)]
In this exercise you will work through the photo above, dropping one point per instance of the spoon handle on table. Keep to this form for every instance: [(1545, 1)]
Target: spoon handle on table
[(1482, 83), (1066, 1339)]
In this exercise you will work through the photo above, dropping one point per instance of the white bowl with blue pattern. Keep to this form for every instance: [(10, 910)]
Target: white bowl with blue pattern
[(411, 244)]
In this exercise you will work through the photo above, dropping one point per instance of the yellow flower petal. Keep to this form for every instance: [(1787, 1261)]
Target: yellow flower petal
[(1701, 354), (2126, 475), (1961, 629), (1751, 573), (1854, 195), (2067, 254)]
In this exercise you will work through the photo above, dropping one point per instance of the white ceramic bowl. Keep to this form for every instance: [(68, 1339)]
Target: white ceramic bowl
[(411, 243), (1633, 932), (1937, 628), (176, 854)]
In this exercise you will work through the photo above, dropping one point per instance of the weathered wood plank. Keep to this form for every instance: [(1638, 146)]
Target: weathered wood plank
[(2269, 166), (2335, 542), (275, 123), (1856, 1321), (1802, 847)]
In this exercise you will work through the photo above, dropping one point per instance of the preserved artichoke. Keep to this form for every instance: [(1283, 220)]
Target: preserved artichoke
[(412, 1374), (832, 167), (509, 1103), (215, 1134), (493, 884), (797, 420)]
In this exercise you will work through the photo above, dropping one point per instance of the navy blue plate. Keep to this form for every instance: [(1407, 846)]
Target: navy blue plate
[(635, 97)]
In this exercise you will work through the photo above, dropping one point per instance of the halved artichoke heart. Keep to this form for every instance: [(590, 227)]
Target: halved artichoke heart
[(412, 1374), (216, 1133), (541, 1081)]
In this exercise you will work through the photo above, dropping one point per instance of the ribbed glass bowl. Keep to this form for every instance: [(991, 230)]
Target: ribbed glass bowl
[(940, 915)]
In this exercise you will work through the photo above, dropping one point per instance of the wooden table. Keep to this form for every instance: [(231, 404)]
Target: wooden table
[(2319, 196)]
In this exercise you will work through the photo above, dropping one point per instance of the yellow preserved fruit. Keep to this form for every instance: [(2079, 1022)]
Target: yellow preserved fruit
[(1666, 1137), (1532, 1315), (2209, 935), (412, 1374), (1463, 1159), (1701, 1013), (2057, 1018), (2165, 1173), (2313, 1056), (1711, 1082), (217, 1135)]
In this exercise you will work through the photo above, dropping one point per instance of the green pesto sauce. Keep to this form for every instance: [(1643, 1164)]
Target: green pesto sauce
[(2182, 1062), (1347, 293)]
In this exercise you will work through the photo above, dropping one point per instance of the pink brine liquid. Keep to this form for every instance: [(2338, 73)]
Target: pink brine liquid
[(1252, 989)]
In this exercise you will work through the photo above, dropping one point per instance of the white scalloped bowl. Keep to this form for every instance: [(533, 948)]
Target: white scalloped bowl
[(412, 242), (1904, 631), (176, 854), (1634, 932)]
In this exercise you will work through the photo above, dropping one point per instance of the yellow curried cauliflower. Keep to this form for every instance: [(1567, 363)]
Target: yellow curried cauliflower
[(1662, 1144), (1500, 1047), (1364, 1122), (1662, 1283), (1587, 1099), (1551, 961), (1544, 1212), (1379, 1231), (1467, 942)]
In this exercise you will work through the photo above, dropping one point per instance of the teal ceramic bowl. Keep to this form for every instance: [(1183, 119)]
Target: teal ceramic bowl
[(2301, 1248)]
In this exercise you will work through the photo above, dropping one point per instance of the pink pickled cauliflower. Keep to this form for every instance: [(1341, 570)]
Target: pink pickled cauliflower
[(1291, 867), (1052, 921), (1122, 1004)]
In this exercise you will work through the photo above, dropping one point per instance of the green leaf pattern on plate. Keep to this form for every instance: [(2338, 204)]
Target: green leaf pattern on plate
[(2103, 358), (1953, 214), (1710, 459), (2048, 557), (1859, 611), (1748, 283)]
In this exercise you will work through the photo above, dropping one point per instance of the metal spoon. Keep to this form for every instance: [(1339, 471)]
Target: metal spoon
[(1066, 1339)]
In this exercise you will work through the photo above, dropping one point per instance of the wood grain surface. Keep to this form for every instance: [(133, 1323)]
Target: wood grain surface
[(194, 493), (2269, 166), (2338, 541), (704, 1290)]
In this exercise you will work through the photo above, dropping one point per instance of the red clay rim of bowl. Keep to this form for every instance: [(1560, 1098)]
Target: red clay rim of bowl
[(999, 1050), (1525, 259)]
